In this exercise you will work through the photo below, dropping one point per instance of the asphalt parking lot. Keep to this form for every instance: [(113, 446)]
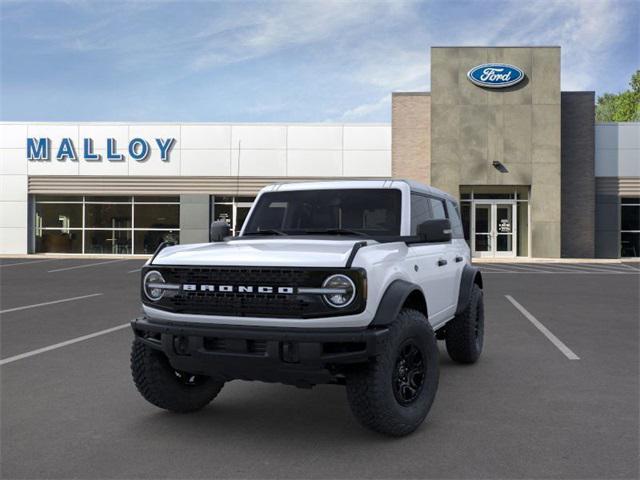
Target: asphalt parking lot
[(555, 395)]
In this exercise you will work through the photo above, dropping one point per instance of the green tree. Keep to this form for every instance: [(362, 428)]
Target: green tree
[(621, 107)]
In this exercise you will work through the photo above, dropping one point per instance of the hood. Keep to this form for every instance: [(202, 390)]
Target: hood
[(262, 252)]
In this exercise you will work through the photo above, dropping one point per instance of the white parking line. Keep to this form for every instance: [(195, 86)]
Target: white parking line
[(584, 268), (573, 272), (135, 271), (518, 268), (15, 358), (544, 330), (49, 303), (27, 263), (87, 265)]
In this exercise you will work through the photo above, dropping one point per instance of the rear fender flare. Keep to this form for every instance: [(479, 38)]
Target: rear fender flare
[(470, 275)]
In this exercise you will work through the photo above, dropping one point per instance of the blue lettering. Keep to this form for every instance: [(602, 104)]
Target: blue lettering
[(39, 151), (138, 149), (89, 156), (112, 155), (66, 150), (165, 147)]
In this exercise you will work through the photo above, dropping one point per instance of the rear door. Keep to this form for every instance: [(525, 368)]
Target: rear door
[(461, 250)]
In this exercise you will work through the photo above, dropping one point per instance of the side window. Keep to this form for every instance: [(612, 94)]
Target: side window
[(454, 216), (420, 211), (437, 208)]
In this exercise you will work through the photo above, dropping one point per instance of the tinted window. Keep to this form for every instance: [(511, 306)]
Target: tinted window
[(420, 211), (630, 217), (373, 212), (60, 215), (437, 208), (454, 218)]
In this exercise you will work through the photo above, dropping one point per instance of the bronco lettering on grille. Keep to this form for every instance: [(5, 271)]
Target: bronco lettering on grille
[(192, 287)]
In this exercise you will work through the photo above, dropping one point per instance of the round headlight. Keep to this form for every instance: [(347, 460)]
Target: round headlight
[(152, 285), (344, 290)]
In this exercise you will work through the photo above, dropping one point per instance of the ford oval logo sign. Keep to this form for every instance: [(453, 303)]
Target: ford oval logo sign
[(495, 75)]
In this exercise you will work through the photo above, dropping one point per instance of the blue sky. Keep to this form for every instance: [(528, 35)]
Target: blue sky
[(276, 61)]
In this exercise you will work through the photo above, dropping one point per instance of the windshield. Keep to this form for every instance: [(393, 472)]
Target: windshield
[(371, 212)]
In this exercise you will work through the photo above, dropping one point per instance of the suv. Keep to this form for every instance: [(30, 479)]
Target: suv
[(342, 282)]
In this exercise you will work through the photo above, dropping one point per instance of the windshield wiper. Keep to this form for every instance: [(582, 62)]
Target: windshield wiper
[(266, 231), (338, 231)]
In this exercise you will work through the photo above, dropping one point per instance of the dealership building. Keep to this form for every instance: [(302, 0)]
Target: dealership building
[(535, 175)]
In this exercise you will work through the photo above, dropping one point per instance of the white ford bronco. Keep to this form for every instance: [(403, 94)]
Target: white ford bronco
[(342, 282)]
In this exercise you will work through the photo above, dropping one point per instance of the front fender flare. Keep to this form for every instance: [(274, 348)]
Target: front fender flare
[(392, 301), (470, 275)]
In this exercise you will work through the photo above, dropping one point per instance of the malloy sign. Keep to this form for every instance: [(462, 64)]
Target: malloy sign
[(495, 75), (40, 149)]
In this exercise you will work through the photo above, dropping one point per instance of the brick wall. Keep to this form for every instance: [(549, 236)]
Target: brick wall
[(411, 136)]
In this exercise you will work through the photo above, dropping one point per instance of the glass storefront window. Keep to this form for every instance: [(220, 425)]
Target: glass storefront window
[(148, 241), (523, 229), (493, 196), (104, 215), (630, 217), (155, 199), (111, 224), (59, 198), (58, 241), (224, 212), (630, 244), (630, 227), (233, 210), (107, 199), (465, 213), (59, 215), (157, 216), (107, 241)]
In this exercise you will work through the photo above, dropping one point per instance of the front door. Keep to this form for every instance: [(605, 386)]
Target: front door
[(494, 228)]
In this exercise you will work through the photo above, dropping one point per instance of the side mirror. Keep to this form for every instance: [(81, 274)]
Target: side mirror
[(438, 230), (219, 230)]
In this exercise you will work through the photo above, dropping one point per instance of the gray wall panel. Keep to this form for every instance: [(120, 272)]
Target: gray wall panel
[(607, 226), (194, 218), (578, 174)]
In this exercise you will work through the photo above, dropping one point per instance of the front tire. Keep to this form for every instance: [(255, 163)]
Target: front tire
[(465, 333), (163, 386), (394, 393)]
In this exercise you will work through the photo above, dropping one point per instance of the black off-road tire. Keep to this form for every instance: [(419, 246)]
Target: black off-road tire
[(464, 335), (372, 389), (160, 384)]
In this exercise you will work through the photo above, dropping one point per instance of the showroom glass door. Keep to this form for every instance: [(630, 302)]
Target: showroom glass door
[(482, 237), (494, 223), (240, 212)]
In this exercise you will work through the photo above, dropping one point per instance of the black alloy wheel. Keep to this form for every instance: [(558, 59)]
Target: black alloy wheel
[(408, 374)]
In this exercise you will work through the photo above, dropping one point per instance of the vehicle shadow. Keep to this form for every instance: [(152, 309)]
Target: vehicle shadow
[(247, 409)]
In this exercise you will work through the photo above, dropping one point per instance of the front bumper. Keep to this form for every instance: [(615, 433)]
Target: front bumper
[(301, 357)]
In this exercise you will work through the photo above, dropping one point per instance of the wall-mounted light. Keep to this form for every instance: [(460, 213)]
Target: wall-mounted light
[(500, 167)]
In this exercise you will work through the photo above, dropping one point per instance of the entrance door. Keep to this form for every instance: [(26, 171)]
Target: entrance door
[(494, 229)]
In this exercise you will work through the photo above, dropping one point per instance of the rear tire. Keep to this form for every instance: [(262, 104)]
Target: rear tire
[(464, 335), (161, 385), (393, 394)]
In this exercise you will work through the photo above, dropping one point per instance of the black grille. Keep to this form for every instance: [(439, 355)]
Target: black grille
[(252, 347), (253, 304)]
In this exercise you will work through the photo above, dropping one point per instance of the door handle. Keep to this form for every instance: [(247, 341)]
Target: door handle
[(442, 262), (459, 259)]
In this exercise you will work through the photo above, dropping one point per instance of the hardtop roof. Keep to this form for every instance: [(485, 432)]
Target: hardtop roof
[(365, 183)]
